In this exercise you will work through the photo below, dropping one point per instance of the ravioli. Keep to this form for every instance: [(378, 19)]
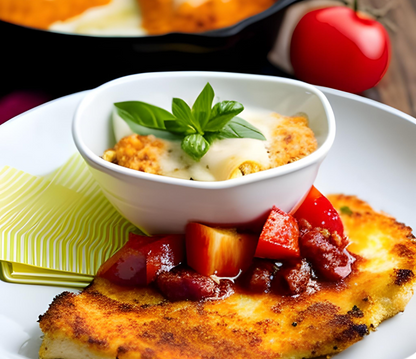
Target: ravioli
[(108, 321)]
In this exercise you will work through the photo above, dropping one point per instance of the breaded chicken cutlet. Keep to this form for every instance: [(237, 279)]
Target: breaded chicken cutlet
[(108, 321)]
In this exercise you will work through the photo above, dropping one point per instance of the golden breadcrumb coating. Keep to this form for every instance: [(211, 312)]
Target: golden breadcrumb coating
[(108, 321), (292, 140), (141, 153)]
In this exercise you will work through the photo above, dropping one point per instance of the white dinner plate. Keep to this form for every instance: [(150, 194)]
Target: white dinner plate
[(374, 157)]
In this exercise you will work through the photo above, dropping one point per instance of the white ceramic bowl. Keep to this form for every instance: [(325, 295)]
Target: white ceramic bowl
[(159, 204)]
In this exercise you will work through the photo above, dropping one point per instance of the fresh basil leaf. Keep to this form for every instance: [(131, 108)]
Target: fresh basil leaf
[(143, 114), (211, 136), (182, 111), (179, 128), (195, 146), (144, 131), (239, 128), (198, 127), (222, 113), (201, 109)]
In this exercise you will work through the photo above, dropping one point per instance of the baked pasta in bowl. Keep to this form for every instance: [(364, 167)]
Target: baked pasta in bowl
[(249, 142)]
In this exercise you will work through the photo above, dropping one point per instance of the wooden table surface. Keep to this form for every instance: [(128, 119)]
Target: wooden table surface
[(398, 86)]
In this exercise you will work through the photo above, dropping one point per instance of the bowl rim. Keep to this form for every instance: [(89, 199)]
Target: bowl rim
[(97, 162), (227, 31)]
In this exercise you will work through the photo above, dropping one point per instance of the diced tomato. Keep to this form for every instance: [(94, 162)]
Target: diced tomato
[(137, 241), (279, 238), (220, 251), (319, 212), (139, 261)]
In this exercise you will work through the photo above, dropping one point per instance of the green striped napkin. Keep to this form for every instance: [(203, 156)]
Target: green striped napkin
[(56, 229)]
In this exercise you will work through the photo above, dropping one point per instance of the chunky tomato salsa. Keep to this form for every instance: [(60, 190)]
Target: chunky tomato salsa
[(290, 253)]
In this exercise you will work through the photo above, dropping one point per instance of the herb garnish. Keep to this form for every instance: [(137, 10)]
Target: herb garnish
[(346, 210), (197, 127)]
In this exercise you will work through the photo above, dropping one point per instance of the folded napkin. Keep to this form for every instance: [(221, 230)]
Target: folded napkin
[(56, 229)]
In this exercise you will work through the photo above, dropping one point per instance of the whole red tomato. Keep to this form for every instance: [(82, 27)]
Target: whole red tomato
[(340, 48)]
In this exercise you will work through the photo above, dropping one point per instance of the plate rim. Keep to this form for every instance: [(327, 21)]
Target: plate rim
[(78, 95)]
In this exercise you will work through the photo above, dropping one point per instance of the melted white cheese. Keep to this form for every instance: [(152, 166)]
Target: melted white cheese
[(223, 157), (118, 18)]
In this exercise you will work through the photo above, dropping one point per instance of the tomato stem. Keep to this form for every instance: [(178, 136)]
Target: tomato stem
[(353, 5)]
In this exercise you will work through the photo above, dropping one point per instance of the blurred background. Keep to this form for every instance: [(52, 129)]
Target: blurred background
[(41, 62)]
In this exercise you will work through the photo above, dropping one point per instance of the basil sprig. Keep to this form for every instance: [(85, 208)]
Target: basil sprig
[(197, 127)]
